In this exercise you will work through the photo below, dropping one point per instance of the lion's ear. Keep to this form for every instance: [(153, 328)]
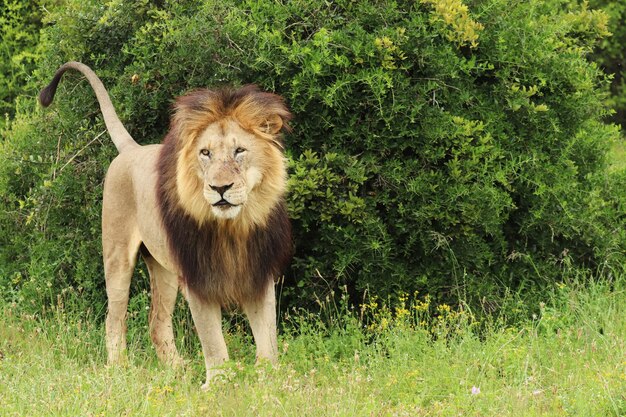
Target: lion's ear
[(273, 124)]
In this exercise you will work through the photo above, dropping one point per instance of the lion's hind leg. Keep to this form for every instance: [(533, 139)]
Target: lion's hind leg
[(120, 257), (164, 289)]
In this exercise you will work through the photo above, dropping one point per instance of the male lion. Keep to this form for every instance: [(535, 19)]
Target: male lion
[(205, 208)]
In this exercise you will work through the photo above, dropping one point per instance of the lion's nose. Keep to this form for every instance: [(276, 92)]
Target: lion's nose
[(221, 188)]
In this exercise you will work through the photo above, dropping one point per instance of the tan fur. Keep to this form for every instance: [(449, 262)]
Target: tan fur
[(246, 158)]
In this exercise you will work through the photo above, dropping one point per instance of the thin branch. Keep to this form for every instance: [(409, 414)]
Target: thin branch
[(82, 149)]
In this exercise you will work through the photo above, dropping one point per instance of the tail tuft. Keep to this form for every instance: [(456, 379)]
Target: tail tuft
[(47, 94)]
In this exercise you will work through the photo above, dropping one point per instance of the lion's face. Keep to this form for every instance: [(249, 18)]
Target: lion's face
[(227, 160), (228, 172), (226, 155)]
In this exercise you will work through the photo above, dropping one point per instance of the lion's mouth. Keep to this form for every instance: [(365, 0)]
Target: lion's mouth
[(224, 204)]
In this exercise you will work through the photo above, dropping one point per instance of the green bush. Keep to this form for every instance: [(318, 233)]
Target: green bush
[(611, 55), (20, 22), (452, 150)]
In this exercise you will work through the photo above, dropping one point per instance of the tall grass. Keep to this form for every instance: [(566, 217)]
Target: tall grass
[(409, 359)]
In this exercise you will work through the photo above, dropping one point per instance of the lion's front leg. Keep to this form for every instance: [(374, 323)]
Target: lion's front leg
[(262, 317), (207, 317)]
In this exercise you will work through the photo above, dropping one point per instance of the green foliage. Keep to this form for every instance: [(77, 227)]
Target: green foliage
[(611, 54), (447, 147), (20, 22)]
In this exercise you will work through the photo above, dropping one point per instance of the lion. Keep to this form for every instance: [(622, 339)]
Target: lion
[(205, 209)]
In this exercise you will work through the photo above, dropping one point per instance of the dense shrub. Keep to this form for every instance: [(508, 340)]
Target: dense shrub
[(20, 22), (457, 151), (611, 55)]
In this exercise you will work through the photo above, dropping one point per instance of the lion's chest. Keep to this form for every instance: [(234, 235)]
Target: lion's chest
[(224, 266)]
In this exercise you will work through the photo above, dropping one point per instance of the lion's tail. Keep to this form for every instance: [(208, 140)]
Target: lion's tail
[(119, 134)]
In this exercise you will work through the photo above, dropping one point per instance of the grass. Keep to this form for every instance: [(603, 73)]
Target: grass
[(569, 360)]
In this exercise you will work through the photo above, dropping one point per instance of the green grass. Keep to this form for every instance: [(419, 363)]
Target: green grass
[(569, 360)]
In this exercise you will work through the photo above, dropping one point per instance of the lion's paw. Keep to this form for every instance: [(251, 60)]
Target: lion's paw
[(211, 376), (177, 363)]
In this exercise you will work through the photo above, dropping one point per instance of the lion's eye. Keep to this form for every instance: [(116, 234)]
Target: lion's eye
[(205, 152), (239, 151)]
